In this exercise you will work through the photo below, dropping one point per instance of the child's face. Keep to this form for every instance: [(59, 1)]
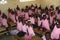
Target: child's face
[(58, 26)]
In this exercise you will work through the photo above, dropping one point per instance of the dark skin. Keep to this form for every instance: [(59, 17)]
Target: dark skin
[(47, 36)]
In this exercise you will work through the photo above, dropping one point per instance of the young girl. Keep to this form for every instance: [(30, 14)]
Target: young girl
[(56, 32), (26, 15), (32, 20), (4, 20), (45, 23), (11, 15), (52, 16), (19, 24), (30, 32), (5, 23)]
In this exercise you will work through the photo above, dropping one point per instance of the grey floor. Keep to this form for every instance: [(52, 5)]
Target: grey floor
[(5, 37)]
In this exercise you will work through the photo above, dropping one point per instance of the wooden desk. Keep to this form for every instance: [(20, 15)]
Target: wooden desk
[(3, 30), (12, 25)]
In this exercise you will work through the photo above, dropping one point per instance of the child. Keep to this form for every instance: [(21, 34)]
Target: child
[(24, 27), (45, 23), (19, 24), (11, 15), (26, 15), (39, 22), (52, 16), (4, 20), (5, 23), (58, 16), (32, 20), (56, 32), (30, 32)]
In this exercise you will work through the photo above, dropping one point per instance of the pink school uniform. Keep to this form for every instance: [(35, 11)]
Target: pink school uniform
[(18, 12), (39, 22), (12, 17), (19, 26), (4, 22), (39, 11), (55, 33), (44, 38), (24, 28), (26, 16), (51, 19), (45, 24), (32, 20), (22, 14), (31, 33), (1, 14)]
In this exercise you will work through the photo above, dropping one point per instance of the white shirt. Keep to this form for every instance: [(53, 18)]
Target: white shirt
[(19, 26), (45, 24), (58, 16), (31, 32), (55, 33), (39, 21), (24, 28), (32, 20), (44, 38)]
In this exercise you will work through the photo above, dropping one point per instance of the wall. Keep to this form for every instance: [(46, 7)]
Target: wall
[(12, 4)]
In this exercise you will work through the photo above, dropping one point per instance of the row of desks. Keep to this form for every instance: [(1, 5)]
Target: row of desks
[(3, 29)]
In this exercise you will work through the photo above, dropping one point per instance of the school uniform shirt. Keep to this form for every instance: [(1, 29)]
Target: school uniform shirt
[(12, 17), (58, 16), (45, 24), (39, 11), (30, 31), (1, 14), (32, 20), (44, 38), (55, 33), (19, 26), (51, 19), (26, 16), (18, 13), (4, 22), (24, 28), (56, 12), (22, 14), (39, 22)]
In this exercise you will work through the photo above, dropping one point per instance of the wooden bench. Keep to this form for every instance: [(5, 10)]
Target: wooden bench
[(22, 38), (12, 25), (3, 30)]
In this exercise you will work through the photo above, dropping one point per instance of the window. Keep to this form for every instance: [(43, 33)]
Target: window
[(3, 1), (26, 0)]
